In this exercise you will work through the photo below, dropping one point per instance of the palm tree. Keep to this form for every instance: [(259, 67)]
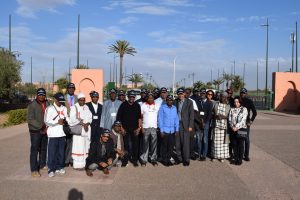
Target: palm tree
[(237, 83), (218, 82), (121, 47), (228, 78), (136, 78)]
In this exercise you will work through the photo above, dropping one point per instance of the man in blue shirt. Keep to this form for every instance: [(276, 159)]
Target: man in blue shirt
[(168, 123)]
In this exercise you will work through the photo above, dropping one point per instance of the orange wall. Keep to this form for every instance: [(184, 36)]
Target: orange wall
[(87, 80), (286, 91)]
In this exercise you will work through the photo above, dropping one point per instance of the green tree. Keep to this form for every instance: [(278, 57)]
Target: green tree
[(136, 78), (228, 79), (217, 83), (199, 84), (62, 83), (237, 83), (81, 66), (121, 47), (10, 70)]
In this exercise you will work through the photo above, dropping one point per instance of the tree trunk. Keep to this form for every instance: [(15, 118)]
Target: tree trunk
[(121, 71)]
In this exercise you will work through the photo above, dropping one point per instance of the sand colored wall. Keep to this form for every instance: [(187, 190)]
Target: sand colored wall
[(286, 87), (87, 80)]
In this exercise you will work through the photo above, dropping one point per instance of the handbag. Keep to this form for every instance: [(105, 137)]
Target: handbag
[(76, 129), (242, 133), (66, 127)]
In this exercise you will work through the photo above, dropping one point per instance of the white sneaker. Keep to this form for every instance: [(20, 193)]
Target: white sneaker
[(61, 171), (51, 174)]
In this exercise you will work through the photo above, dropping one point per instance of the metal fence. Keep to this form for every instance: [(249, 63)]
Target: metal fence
[(263, 102)]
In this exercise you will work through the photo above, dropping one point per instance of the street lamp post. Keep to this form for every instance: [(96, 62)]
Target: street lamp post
[(293, 39), (174, 68), (267, 52)]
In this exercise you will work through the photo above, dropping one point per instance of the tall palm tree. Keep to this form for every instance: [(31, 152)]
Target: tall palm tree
[(121, 47), (228, 78)]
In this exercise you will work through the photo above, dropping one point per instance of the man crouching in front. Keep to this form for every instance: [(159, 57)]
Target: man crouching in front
[(101, 154)]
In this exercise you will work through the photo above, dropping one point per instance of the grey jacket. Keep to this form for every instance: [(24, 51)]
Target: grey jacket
[(187, 114), (35, 116)]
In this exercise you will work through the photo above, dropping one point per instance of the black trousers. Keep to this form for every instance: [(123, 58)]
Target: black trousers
[(247, 143), (38, 151), (132, 145), (167, 146), (182, 141), (238, 147)]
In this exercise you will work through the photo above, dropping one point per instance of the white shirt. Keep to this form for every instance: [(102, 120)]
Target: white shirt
[(194, 104), (95, 106), (52, 115), (149, 113)]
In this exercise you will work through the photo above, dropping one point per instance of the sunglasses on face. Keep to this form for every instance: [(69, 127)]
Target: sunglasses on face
[(209, 94)]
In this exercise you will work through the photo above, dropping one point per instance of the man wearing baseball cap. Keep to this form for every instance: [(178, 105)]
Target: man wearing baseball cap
[(121, 95), (168, 124), (38, 132), (143, 98), (96, 109), (248, 103), (109, 110), (71, 100), (129, 114), (54, 119), (185, 112), (101, 154)]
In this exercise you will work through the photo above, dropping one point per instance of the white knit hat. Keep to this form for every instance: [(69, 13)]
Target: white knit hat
[(80, 95)]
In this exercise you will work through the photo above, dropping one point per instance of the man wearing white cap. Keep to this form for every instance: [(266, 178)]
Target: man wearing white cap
[(80, 115)]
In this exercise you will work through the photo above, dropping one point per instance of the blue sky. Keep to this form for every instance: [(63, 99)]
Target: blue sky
[(205, 35)]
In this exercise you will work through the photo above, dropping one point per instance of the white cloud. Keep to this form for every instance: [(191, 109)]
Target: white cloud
[(295, 13), (250, 18), (28, 8), (128, 20), (207, 19), (183, 3), (93, 46), (152, 10)]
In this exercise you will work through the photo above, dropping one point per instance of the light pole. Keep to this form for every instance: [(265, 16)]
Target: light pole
[(267, 49), (257, 78), (293, 39), (174, 68), (296, 47)]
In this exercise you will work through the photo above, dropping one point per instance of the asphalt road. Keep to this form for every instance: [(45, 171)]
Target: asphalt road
[(273, 173)]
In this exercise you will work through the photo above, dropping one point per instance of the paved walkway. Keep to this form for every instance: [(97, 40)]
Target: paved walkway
[(273, 173)]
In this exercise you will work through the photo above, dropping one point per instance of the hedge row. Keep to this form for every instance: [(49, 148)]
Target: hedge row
[(15, 117)]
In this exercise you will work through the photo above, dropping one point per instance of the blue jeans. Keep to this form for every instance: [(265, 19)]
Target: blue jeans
[(56, 153), (38, 151), (202, 141)]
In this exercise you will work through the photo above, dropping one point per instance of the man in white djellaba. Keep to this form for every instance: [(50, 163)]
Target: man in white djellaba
[(80, 114)]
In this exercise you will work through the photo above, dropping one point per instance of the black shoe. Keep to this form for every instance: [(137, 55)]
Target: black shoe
[(193, 157), (202, 159), (124, 164), (177, 162), (154, 163), (247, 159), (143, 164), (186, 164), (169, 163), (135, 164)]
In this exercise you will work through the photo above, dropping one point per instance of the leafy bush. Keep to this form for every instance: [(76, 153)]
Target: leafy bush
[(16, 117)]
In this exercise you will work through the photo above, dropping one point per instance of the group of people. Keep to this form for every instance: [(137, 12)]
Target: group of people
[(153, 129)]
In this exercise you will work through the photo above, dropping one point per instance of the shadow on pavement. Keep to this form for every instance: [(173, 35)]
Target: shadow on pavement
[(74, 194)]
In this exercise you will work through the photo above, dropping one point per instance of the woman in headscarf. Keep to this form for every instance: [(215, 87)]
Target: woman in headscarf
[(220, 137), (81, 115)]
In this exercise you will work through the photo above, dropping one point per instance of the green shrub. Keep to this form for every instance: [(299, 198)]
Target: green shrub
[(17, 116)]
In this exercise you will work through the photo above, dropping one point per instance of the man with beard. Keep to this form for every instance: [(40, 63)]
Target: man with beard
[(121, 96)]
